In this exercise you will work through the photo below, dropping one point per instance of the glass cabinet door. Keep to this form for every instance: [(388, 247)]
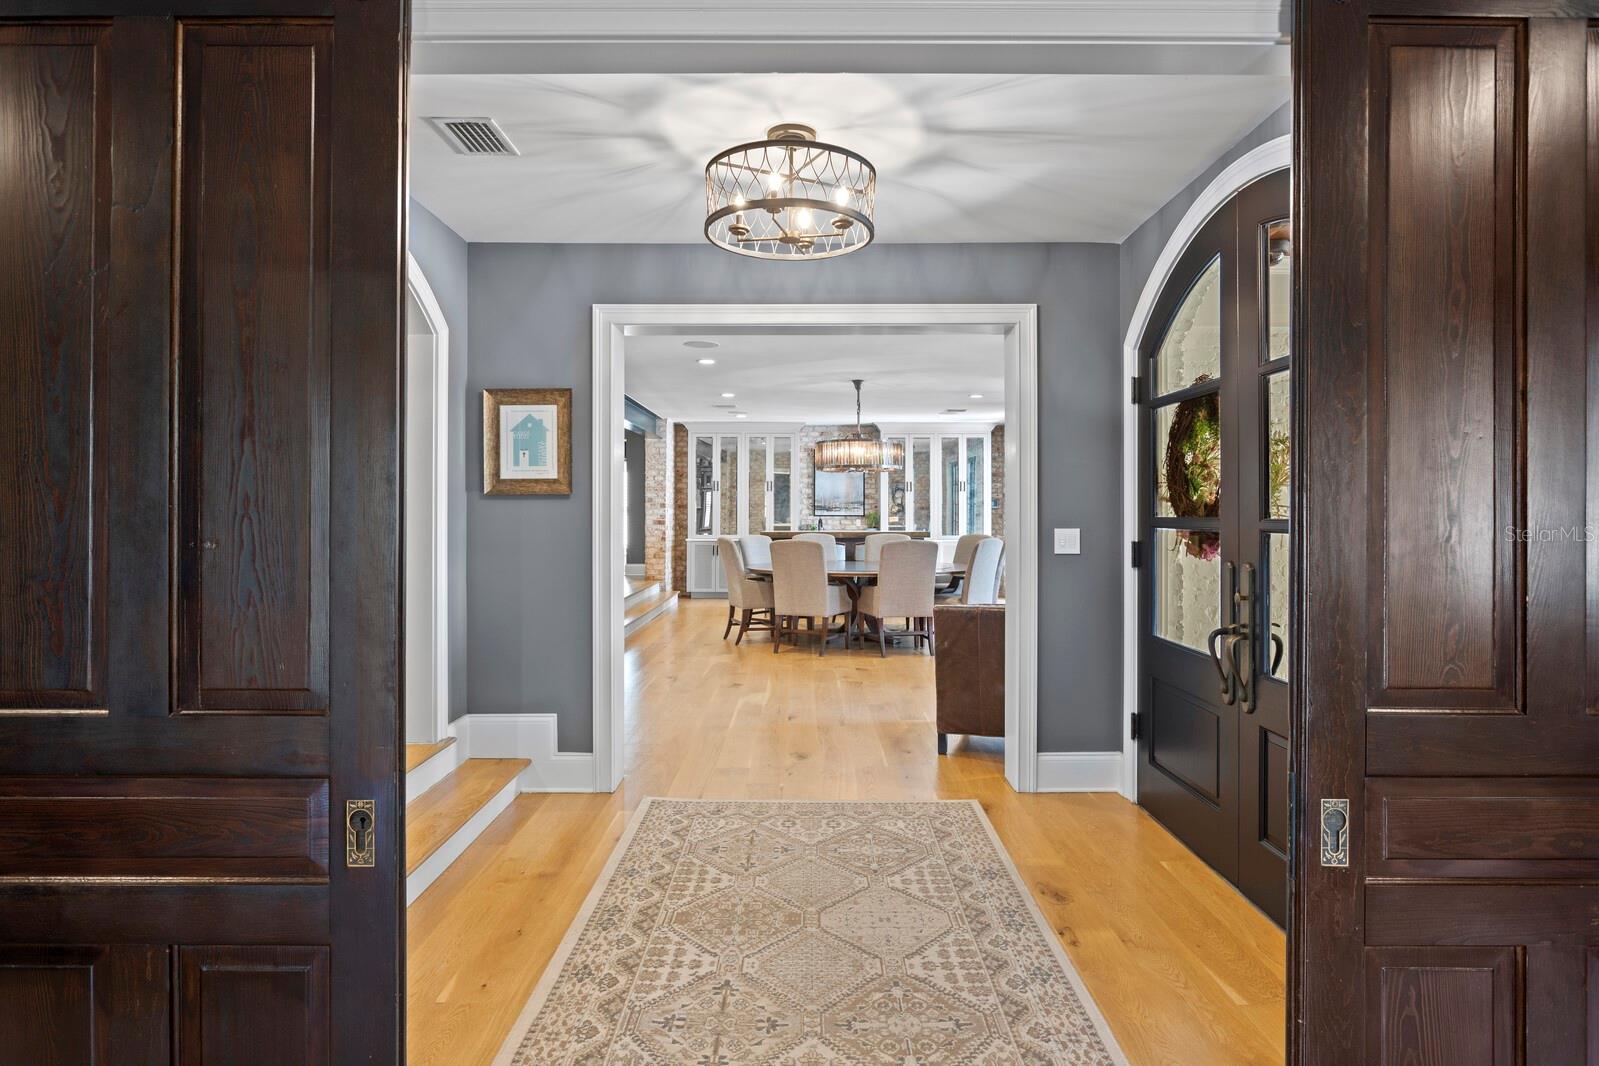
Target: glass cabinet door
[(919, 486), (704, 485), (756, 465), (727, 485), (976, 484), (781, 479), (949, 483), (894, 490)]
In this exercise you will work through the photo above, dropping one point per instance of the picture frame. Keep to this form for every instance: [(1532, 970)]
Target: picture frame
[(527, 442), (838, 494)]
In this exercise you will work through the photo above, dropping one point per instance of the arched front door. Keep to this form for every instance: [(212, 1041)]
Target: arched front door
[(1213, 546)]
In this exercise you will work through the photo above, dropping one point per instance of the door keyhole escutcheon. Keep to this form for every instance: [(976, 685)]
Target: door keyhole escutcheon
[(360, 833), (1335, 832)]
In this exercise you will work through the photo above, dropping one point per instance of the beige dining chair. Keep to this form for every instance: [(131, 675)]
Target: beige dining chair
[(982, 573), (828, 542), (904, 589), (748, 597), (757, 549), (874, 544), (800, 589), (964, 547)]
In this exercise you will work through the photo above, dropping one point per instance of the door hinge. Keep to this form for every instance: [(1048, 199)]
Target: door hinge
[(1132, 729), (1136, 556), (1335, 832), (1137, 391), (360, 833)]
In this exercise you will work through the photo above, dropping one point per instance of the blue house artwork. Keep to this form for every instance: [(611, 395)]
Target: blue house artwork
[(530, 443)]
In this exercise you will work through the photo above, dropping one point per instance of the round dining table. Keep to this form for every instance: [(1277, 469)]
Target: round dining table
[(856, 574)]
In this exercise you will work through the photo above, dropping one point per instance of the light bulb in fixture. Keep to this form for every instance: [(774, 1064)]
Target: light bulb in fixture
[(841, 196), (774, 181), (740, 203), (803, 218)]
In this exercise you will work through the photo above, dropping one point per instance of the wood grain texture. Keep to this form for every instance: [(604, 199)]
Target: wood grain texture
[(84, 1006), (1185, 970), (435, 815), (1484, 827), (54, 210), (253, 370), (253, 1004), (1441, 1007), (1445, 416), (81, 829), (417, 754)]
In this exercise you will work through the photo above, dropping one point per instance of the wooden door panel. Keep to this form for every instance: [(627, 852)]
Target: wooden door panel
[(265, 830), (1483, 827), (253, 1005), (1441, 1006), (84, 1006), (1445, 426), (55, 213), (253, 369)]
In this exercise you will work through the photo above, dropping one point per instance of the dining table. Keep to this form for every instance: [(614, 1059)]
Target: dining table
[(856, 574)]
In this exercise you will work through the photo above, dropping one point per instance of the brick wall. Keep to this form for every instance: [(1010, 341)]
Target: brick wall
[(659, 489), (996, 466), (808, 437), (679, 544)]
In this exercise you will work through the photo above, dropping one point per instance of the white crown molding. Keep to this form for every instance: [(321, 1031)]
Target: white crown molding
[(827, 21)]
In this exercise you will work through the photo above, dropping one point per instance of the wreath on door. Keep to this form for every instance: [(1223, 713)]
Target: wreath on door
[(1191, 470)]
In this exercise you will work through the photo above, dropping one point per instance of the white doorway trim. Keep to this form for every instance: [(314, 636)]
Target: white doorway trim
[(1267, 158), (1017, 323), (438, 504)]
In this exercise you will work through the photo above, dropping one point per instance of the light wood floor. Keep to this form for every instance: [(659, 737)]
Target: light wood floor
[(1184, 969)]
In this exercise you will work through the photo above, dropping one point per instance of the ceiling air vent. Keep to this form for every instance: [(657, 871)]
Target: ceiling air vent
[(474, 136)]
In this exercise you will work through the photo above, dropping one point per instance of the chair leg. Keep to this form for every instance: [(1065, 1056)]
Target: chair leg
[(821, 638), (743, 625), (777, 632), (729, 627), (882, 638), (943, 743)]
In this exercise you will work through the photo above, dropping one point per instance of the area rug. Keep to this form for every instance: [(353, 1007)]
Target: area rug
[(736, 933)]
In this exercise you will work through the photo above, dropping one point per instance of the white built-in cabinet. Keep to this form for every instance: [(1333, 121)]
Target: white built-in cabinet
[(738, 481), (746, 479)]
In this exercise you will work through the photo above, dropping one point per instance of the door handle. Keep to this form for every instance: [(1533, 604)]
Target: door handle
[(1223, 659), (360, 824)]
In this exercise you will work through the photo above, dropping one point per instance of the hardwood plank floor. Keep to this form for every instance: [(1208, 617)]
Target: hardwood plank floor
[(435, 815), (1185, 970), (417, 754)]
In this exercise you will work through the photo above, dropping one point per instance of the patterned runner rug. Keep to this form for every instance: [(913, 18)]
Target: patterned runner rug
[(734, 933)]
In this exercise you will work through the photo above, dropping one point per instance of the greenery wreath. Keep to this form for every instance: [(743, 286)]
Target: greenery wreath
[(1191, 470)]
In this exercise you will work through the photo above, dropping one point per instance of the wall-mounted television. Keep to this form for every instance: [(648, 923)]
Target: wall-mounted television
[(839, 494)]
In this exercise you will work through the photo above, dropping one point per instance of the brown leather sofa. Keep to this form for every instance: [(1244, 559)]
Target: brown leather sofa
[(970, 671)]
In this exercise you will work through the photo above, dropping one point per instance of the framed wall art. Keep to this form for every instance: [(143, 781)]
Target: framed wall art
[(527, 442)]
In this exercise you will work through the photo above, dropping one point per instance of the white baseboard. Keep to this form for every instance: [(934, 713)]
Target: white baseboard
[(438, 766), (1079, 771), (634, 570), (435, 864), (526, 736)]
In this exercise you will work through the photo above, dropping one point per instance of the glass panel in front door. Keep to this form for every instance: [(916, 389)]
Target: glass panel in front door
[(1276, 548), (1275, 306), (1190, 352), (1187, 579)]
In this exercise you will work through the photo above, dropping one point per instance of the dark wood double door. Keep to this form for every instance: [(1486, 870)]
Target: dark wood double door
[(199, 514), (1213, 735)]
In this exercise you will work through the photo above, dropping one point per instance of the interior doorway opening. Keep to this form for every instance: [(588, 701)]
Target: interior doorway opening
[(425, 429)]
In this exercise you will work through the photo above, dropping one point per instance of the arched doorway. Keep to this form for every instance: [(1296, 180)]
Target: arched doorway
[(1213, 543)]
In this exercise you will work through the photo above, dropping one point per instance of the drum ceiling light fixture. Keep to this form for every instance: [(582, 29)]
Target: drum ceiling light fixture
[(790, 197), (858, 452)]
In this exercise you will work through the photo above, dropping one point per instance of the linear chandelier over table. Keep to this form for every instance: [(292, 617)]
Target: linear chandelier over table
[(790, 197)]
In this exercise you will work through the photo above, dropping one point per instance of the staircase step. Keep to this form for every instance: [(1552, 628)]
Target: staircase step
[(417, 754), (440, 813), (639, 590), (644, 612)]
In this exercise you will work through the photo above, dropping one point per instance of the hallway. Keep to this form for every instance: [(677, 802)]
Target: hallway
[(1183, 968)]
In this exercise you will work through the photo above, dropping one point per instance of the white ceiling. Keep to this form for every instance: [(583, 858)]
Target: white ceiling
[(619, 158), (788, 376)]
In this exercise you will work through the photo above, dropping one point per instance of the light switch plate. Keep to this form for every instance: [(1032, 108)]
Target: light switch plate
[(1068, 542)]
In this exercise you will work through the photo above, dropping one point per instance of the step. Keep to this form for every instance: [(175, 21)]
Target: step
[(647, 611), (638, 590), (417, 754), (444, 820)]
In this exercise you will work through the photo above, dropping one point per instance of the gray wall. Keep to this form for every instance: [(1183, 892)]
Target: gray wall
[(633, 449), (442, 255), (1143, 246), (528, 570)]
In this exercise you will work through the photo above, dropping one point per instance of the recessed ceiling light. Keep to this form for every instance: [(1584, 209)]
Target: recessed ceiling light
[(701, 344), (727, 395), (707, 362), (741, 414), (975, 396)]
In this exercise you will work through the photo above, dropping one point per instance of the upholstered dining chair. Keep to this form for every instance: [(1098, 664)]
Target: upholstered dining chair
[(963, 556), (982, 573), (757, 549), (874, 544), (829, 543), (800, 589), (904, 589), (748, 597)]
